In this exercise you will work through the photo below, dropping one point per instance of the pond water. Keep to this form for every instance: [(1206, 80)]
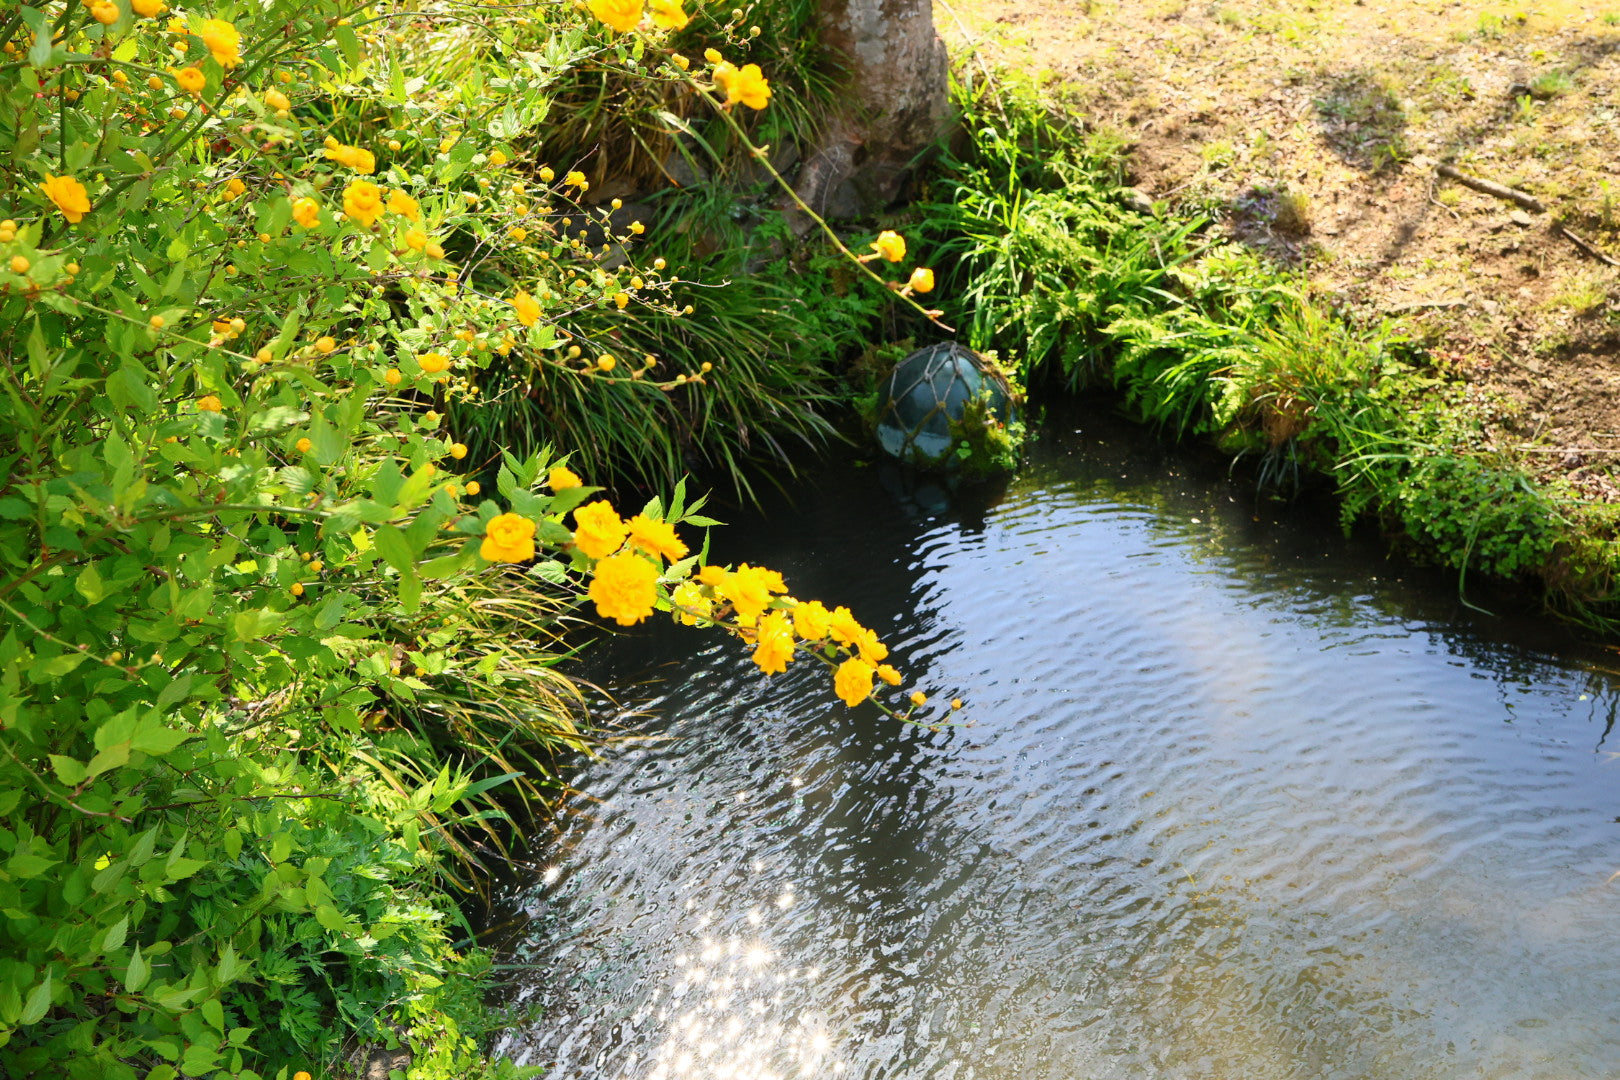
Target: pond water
[(1232, 797)]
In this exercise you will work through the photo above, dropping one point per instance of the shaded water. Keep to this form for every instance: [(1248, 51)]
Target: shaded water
[(1235, 802)]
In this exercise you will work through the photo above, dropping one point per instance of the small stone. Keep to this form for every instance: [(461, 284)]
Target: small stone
[(1519, 217)]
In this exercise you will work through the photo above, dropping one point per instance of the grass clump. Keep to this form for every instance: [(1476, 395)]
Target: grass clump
[(1207, 338)]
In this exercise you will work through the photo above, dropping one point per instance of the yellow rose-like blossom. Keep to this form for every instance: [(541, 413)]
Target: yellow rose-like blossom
[(576, 179), (625, 588), (773, 643), (508, 538), (622, 15), (621, 300), (353, 157), (712, 55), (667, 14), (222, 40), (474, 487), (458, 450), (433, 362), (210, 403), (415, 239), (682, 62), (147, 9), (561, 478), (922, 280), (843, 627), (68, 195), (497, 159), (890, 245), (403, 205), (104, 12), (871, 649), (518, 234), (297, 588), (656, 538), (362, 201), (303, 445), (19, 264), (277, 100), (433, 250), (689, 596), (853, 681), (606, 363), (546, 175), (527, 308), (713, 576), (810, 619), (307, 212), (747, 85), (888, 674), (191, 80), (234, 187), (749, 589), (326, 346), (598, 529), (919, 698)]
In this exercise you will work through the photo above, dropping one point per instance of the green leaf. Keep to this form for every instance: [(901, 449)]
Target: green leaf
[(213, 1012), (154, 737), (70, 771), (138, 972), (38, 1003), (89, 585), (329, 917), (114, 757), (113, 940), (255, 623), (25, 864), (392, 546)]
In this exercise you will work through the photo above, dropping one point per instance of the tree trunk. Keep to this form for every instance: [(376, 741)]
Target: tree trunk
[(896, 104)]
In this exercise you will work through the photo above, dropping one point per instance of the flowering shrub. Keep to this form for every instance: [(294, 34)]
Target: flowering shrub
[(263, 654)]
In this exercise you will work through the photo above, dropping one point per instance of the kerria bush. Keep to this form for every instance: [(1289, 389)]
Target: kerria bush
[(266, 638)]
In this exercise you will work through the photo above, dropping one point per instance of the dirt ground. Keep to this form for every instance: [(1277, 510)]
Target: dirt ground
[(1313, 130)]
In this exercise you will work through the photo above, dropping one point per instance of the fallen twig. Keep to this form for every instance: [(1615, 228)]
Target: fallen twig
[(1586, 246), (1491, 187)]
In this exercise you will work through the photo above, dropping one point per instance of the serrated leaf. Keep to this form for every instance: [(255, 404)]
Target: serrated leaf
[(70, 771), (38, 1003), (138, 972)]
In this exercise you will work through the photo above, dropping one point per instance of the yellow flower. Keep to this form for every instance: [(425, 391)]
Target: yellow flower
[(871, 649), (415, 239), (689, 595), (458, 450), (147, 8), (810, 620), (890, 245), (104, 12), (210, 403), (853, 681), (576, 179), (680, 61), (621, 300), (392, 377), (625, 588), (353, 157), (307, 212), (528, 310), (433, 250), (474, 487), (508, 538), (598, 529), (773, 643), (497, 159), (297, 588), (667, 14), (222, 40), (518, 234), (403, 205), (747, 85), (191, 80), (433, 362), (843, 627), (546, 175), (919, 698), (325, 345), (606, 363), (712, 55), (749, 589), (922, 280), (622, 15), (656, 538), (277, 100), (68, 195), (234, 187), (303, 445), (19, 264), (362, 201), (713, 576), (888, 674), (562, 478)]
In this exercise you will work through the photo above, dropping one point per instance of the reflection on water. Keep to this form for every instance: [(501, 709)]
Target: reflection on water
[(1235, 802)]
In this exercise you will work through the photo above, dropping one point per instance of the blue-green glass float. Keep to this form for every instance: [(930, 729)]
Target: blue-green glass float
[(946, 407)]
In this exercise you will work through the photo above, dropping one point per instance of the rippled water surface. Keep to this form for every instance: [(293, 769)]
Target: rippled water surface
[(1235, 802)]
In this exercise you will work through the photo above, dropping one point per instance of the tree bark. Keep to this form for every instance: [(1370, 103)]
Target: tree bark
[(897, 104)]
